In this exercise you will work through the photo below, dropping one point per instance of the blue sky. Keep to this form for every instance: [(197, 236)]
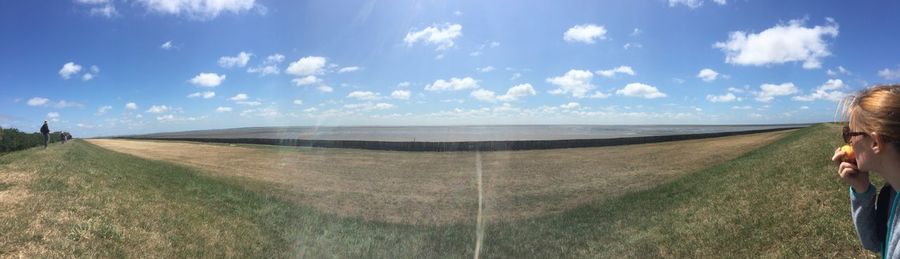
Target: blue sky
[(107, 67)]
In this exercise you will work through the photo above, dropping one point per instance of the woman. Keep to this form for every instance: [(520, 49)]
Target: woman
[(874, 133)]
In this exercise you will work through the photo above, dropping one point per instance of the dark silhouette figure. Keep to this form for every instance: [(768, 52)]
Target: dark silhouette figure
[(45, 130)]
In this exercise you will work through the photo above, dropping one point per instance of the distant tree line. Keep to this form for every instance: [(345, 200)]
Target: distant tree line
[(15, 140)]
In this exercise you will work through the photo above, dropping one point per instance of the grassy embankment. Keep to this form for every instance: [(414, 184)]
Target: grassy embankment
[(78, 199)]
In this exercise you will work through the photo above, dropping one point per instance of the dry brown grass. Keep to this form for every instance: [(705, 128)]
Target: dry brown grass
[(440, 188)]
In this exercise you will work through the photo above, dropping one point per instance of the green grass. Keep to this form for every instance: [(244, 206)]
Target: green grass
[(782, 200)]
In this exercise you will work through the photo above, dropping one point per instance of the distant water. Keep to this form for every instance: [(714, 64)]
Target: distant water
[(466, 133)]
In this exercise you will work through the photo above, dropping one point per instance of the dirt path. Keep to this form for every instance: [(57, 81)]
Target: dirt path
[(440, 188)]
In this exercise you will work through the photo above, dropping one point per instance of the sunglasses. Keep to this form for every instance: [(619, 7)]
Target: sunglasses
[(847, 134)]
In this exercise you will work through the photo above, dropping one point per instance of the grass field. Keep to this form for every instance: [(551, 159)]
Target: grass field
[(781, 200)]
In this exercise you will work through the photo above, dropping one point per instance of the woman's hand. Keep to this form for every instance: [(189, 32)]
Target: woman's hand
[(850, 173)]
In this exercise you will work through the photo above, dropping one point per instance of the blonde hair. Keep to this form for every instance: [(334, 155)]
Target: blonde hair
[(875, 109)]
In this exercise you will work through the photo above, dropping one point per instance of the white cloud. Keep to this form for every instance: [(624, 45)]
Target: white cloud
[(306, 66), (780, 44), (636, 32), (223, 109), (485, 69), (325, 89), (585, 33), (840, 70), (239, 97), (401, 94), (269, 66), (889, 74), (274, 59), (640, 90), (827, 91), (599, 95), (298, 102), (454, 84), (249, 103), (631, 45), (103, 109), (205, 95), (208, 79), (107, 10), (308, 80), (237, 61), (167, 45), (199, 9), (69, 69), (348, 69), (53, 116), (693, 4), (404, 84), (708, 75), (38, 101), (369, 106), (570, 106), (264, 70), (721, 2), (577, 82), (158, 109), (770, 91), (364, 95), (131, 106), (87, 77), (729, 97), (612, 72), (483, 95), (745, 107), (67, 104), (516, 92), (495, 44), (440, 36)]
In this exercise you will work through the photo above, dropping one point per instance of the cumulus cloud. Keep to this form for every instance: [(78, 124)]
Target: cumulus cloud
[(780, 44), (239, 97), (570, 106), (828, 91), (237, 61), (38, 101), (158, 109), (576, 82), (325, 89), (512, 94), (205, 95), (103, 109), (167, 45), (729, 97), (483, 95), (440, 36), (453, 85), (298, 102), (223, 109), (889, 74), (585, 33), (485, 69), (640, 90), (708, 75), (208, 79), (307, 80), (840, 70), (69, 69), (369, 106), (401, 94), (364, 95), (619, 70), (311, 65), (53, 116), (131, 106), (198, 9), (770, 91), (516, 92), (348, 69)]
